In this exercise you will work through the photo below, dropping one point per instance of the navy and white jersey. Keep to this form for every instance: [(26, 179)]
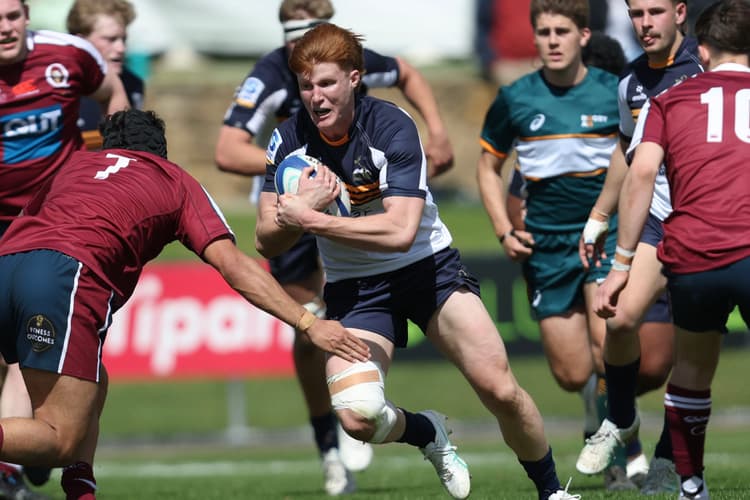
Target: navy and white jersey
[(643, 81), (381, 156), (271, 91)]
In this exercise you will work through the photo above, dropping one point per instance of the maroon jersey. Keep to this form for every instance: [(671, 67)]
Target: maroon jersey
[(703, 125), (39, 105), (114, 210)]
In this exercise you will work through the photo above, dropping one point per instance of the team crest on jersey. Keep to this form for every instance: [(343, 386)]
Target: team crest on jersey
[(537, 122), (57, 76), (273, 146), (588, 121), (40, 332), (249, 92)]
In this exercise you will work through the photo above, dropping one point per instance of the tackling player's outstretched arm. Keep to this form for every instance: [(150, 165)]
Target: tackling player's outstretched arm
[(259, 288)]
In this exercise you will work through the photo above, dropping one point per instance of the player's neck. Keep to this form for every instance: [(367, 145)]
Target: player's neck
[(567, 77), (666, 57)]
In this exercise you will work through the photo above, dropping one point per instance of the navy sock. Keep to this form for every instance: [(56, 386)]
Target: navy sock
[(664, 445), (621, 386), (542, 473), (419, 431), (324, 431)]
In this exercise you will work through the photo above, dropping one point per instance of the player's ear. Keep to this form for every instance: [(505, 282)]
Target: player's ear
[(355, 78), (585, 36)]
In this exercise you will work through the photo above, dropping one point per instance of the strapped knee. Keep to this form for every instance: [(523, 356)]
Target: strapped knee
[(360, 388)]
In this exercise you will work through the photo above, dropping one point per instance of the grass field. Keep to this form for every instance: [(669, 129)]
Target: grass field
[(167, 440)]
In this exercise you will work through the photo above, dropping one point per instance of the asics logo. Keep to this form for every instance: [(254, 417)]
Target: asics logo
[(537, 122)]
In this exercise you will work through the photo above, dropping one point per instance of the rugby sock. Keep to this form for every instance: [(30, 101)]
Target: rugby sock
[(621, 385), (542, 473), (687, 413), (324, 432), (601, 398), (663, 447), (78, 482), (419, 431)]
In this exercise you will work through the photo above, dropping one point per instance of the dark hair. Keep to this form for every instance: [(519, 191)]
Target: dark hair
[(136, 130), (604, 52), (577, 10), (725, 26)]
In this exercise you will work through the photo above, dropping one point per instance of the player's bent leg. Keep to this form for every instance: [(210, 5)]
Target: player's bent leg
[(657, 348), (567, 347), (64, 408), (464, 332), (645, 284)]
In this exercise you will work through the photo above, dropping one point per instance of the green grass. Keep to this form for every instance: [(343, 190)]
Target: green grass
[(163, 439)]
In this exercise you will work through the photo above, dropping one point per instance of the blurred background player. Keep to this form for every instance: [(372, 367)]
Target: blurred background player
[(104, 23), (268, 94), (84, 258), (639, 341), (699, 131), (43, 76), (603, 52), (556, 156)]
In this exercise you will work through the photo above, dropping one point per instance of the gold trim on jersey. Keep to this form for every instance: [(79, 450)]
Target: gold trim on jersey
[(490, 149)]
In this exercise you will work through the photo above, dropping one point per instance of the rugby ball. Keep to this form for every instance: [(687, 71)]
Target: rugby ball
[(287, 178)]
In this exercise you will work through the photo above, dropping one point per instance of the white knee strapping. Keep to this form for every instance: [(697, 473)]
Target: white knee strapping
[(365, 398)]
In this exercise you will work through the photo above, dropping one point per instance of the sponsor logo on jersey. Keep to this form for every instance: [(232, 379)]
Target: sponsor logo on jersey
[(23, 88), (639, 96), (57, 76), (537, 122), (40, 332), (249, 92), (273, 146), (588, 121), (31, 134)]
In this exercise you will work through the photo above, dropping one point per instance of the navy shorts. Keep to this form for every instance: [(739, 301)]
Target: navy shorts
[(384, 302), (54, 313), (652, 234), (703, 301), (297, 263)]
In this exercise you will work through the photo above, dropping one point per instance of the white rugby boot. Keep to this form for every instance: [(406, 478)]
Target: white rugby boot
[(356, 455), (637, 469), (694, 489), (451, 469), (563, 494), (661, 478), (338, 479), (599, 449)]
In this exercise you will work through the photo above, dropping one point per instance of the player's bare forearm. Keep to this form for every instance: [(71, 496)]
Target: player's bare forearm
[(236, 153), (272, 239)]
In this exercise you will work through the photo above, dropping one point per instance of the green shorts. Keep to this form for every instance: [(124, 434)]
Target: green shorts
[(554, 273)]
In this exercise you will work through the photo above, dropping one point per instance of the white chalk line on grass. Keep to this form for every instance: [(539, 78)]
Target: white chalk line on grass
[(311, 466)]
